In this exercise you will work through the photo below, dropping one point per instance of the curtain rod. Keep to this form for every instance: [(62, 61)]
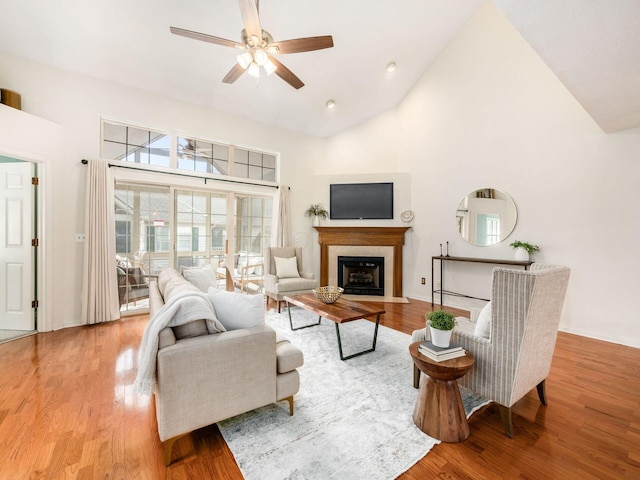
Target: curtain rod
[(85, 161)]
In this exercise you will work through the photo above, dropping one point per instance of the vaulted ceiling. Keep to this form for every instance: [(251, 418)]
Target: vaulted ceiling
[(593, 47)]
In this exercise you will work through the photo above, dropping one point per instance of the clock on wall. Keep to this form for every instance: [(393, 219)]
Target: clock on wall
[(407, 216)]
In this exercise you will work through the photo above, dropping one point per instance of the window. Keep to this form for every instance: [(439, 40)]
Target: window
[(174, 226), (142, 240), (202, 156), (130, 144), (201, 234), (487, 229), (143, 226), (149, 147), (253, 226), (198, 224), (254, 165)]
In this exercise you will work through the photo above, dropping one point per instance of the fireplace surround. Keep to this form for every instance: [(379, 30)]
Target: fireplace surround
[(363, 241)]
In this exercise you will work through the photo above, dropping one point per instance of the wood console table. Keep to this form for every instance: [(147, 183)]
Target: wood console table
[(446, 258)]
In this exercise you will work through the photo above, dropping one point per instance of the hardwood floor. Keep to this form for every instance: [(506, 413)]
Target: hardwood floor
[(67, 410)]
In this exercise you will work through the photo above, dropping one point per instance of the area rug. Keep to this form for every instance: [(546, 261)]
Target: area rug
[(353, 419)]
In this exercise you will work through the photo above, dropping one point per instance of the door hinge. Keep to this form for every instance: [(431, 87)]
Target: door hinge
[(34, 304), (35, 242), (35, 181)]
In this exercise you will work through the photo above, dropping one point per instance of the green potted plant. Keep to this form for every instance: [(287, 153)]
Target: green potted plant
[(523, 250), (440, 324), (318, 212)]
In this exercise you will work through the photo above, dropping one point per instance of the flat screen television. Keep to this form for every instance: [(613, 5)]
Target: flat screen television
[(349, 201)]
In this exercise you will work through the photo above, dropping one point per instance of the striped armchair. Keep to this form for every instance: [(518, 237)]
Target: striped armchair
[(526, 308)]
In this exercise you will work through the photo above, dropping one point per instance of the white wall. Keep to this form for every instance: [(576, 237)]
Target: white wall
[(489, 113), (77, 103)]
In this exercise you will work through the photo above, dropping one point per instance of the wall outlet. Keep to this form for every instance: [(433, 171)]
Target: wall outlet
[(423, 280), (79, 237)]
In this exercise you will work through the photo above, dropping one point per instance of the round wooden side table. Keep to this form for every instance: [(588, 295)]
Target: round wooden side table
[(439, 411)]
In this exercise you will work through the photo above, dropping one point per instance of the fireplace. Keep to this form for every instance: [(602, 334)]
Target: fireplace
[(361, 275), (385, 242)]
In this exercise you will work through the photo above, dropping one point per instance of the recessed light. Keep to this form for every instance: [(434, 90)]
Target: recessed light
[(331, 104), (391, 67)]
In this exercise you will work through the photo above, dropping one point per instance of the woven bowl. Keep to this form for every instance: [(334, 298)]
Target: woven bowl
[(328, 294)]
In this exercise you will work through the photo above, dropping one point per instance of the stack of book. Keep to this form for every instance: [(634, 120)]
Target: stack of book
[(440, 354)]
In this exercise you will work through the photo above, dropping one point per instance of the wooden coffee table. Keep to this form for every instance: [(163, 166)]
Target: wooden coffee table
[(439, 411), (339, 312)]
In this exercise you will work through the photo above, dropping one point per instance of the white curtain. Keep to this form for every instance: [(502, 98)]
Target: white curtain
[(100, 280), (283, 218)]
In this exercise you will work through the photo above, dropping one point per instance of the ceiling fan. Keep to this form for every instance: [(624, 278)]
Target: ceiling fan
[(259, 47)]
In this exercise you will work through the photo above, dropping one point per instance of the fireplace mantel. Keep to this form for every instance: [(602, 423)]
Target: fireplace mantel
[(363, 236)]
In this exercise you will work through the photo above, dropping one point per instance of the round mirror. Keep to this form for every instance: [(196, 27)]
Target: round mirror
[(486, 216)]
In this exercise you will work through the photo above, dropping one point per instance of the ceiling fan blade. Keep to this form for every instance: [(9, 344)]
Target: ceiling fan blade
[(251, 19), (234, 74), (304, 44), (286, 74), (204, 37)]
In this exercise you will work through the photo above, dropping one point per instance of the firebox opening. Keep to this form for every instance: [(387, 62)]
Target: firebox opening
[(361, 275)]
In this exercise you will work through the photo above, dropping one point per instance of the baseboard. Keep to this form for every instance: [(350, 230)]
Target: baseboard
[(66, 325), (605, 338)]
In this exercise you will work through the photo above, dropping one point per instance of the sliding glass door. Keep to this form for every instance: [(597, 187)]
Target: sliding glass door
[(201, 232), (152, 219), (143, 239)]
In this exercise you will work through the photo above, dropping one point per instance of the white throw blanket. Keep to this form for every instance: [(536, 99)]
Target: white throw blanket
[(185, 307)]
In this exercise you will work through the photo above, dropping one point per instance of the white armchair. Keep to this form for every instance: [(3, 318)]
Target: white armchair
[(275, 287), (525, 314)]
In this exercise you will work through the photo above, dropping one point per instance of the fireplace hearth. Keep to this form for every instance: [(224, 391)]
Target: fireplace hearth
[(361, 275)]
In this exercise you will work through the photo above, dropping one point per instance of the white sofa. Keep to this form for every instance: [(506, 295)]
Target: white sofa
[(203, 378)]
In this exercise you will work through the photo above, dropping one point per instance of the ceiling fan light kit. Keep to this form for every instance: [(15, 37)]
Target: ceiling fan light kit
[(260, 57), (254, 70), (260, 48), (270, 67), (245, 59)]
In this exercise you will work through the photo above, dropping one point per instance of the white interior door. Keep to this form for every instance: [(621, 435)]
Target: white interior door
[(16, 251)]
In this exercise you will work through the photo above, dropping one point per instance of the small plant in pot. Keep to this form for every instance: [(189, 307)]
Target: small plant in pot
[(440, 324), (523, 250), (318, 212)]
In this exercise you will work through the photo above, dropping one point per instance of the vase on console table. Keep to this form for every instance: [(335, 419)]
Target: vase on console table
[(521, 255)]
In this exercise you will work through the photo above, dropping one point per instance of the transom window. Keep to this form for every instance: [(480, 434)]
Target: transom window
[(200, 156), (150, 147), (255, 165), (121, 142)]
